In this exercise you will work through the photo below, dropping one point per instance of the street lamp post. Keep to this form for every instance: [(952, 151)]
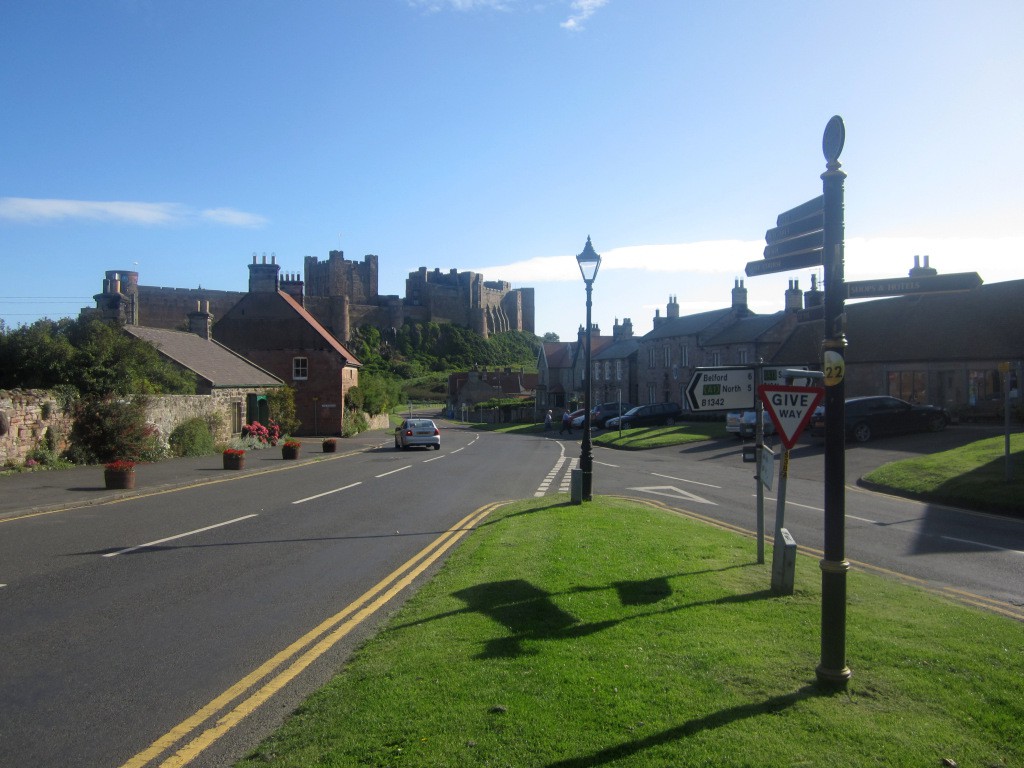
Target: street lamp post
[(589, 262)]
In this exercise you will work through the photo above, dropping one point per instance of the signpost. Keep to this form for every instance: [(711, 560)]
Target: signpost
[(721, 389), (900, 286), (796, 242)]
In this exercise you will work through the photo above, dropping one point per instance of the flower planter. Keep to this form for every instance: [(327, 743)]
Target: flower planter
[(330, 447), (119, 479), (289, 452), (233, 461)]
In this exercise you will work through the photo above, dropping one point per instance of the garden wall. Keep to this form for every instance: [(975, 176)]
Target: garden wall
[(25, 417)]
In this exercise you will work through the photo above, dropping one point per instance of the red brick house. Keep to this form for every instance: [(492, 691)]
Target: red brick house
[(270, 327)]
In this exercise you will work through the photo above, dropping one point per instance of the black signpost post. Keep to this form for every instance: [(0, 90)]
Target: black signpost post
[(810, 235), (832, 669)]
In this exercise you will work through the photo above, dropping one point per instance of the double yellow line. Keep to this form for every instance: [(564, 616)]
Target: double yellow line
[(293, 660)]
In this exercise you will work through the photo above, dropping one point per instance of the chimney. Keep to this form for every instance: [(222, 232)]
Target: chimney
[(814, 297), (794, 297), (293, 286), (739, 297), (672, 310), (200, 322), (919, 271), (263, 278)]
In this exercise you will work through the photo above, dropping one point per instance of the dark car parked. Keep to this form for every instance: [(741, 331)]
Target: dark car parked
[(601, 412), (868, 417), (653, 415)]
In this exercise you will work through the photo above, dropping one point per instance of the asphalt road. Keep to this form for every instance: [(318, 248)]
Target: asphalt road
[(181, 627)]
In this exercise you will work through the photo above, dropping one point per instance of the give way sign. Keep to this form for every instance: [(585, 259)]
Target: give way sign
[(790, 408)]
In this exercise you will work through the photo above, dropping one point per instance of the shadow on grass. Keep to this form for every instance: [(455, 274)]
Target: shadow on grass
[(529, 613), (771, 706)]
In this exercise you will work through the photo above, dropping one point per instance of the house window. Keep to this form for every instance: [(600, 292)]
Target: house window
[(742, 356), (236, 417), (300, 368), (597, 370), (650, 357), (618, 370), (668, 356), (684, 355), (716, 359), (608, 370), (650, 393)]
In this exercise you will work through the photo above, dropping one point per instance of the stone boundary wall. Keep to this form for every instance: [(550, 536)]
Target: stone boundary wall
[(25, 416)]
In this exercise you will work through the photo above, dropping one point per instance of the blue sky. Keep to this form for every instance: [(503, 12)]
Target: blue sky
[(177, 138)]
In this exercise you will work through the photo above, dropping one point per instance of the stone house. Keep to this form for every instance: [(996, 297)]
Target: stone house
[(271, 327), (560, 367), (615, 367), (943, 348), (733, 335), (468, 388)]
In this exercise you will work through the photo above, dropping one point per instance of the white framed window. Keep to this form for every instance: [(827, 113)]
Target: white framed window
[(607, 370), (650, 393), (684, 355), (742, 355), (651, 355), (618, 370), (668, 356), (300, 368), (597, 370), (716, 358)]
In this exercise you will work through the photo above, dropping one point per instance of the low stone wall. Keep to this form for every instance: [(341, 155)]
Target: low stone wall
[(25, 417), (166, 412)]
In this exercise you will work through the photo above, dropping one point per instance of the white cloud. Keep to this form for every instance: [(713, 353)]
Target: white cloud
[(31, 210), (865, 258), (233, 218), (583, 10)]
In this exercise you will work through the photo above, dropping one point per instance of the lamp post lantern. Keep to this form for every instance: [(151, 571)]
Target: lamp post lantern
[(589, 261)]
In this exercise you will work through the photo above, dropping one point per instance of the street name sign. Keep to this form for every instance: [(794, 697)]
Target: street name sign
[(793, 261), (901, 286), (777, 375), (790, 408), (721, 389)]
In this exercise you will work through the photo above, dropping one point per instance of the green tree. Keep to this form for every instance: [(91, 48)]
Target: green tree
[(281, 404)]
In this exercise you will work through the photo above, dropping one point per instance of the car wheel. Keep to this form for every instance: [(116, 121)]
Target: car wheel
[(937, 424), (397, 446), (669, 422), (437, 447), (861, 432)]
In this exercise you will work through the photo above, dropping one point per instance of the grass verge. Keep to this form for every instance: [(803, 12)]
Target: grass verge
[(619, 634), (972, 476)]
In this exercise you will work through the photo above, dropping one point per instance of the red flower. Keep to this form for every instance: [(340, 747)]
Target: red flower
[(234, 452), (121, 465)]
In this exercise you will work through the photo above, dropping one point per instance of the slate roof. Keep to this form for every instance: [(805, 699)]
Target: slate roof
[(340, 348), (687, 325), (745, 329), (618, 350), (986, 323), (213, 362)]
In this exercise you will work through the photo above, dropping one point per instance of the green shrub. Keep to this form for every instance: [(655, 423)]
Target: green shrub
[(355, 422), (281, 403), (192, 438), (107, 428)]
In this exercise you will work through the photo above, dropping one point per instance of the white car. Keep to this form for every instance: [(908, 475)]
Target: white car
[(417, 432), (744, 423)]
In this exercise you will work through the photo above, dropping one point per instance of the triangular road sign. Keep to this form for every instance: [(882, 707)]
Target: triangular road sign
[(790, 408)]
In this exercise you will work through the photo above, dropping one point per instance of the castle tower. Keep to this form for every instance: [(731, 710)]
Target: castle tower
[(119, 301)]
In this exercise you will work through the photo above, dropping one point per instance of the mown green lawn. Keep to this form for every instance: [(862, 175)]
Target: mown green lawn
[(973, 476), (617, 633)]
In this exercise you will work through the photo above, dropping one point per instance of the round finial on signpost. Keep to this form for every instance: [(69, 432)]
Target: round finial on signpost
[(834, 139)]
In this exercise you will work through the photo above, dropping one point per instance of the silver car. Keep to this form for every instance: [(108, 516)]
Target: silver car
[(422, 432)]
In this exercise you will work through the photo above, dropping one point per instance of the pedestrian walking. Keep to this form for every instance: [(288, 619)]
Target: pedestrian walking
[(566, 423), (547, 421)]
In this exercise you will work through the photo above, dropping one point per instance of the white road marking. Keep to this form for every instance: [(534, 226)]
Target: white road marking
[(179, 536), (674, 493), (804, 506), (427, 461), (459, 449), (603, 464), (327, 493), (980, 544), (862, 519), (393, 471), (684, 480)]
